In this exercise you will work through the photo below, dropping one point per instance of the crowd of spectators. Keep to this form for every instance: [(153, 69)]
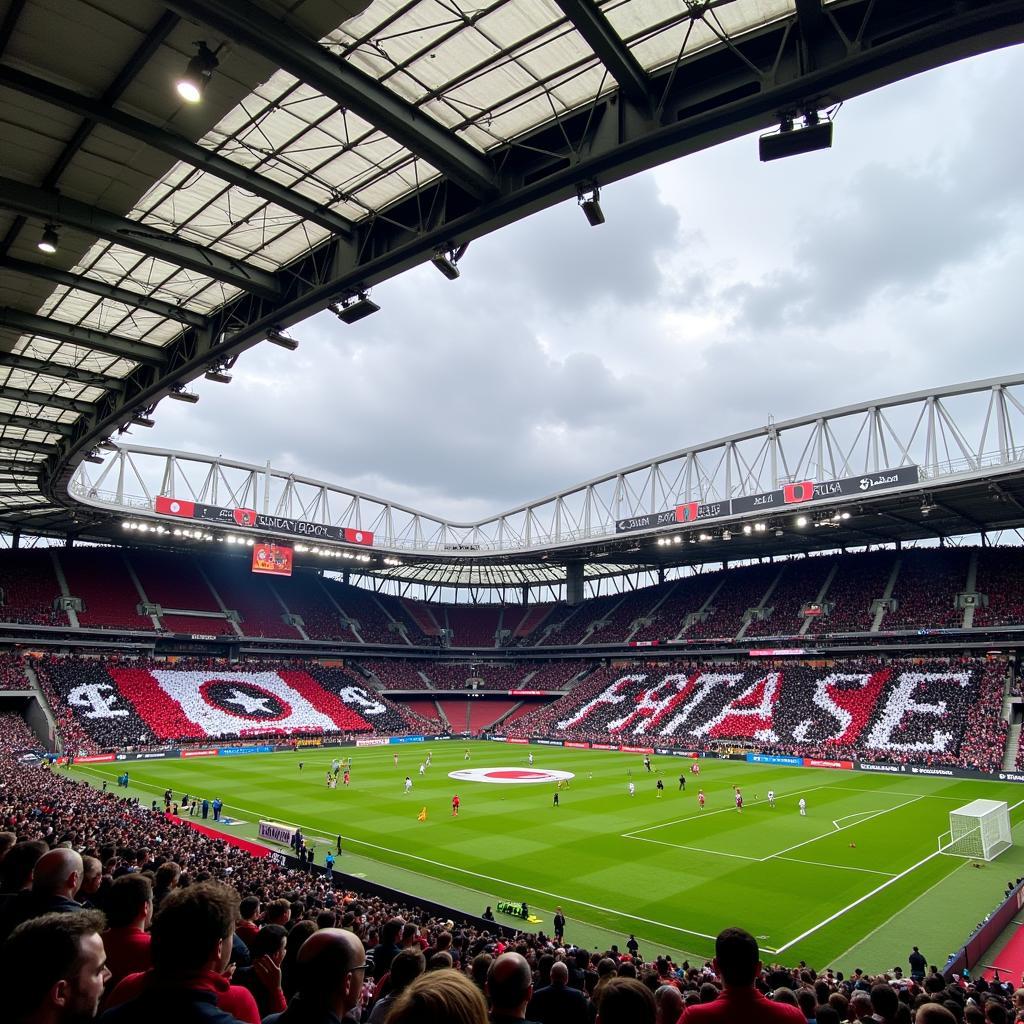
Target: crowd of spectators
[(29, 588), (860, 579), (94, 712), (399, 674), (1000, 571), (935, 711), (800, 585), (740, 590), (926, 589), (12, 673)]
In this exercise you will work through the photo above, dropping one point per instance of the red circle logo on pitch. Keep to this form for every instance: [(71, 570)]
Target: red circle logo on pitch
[(509, 776)]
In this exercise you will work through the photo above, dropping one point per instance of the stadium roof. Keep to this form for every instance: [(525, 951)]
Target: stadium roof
[(337, 144)]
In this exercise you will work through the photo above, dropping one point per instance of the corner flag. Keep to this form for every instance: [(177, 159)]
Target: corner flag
[(422, 816)]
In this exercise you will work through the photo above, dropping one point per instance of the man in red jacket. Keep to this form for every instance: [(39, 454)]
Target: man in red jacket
[(737, 963), (129, 906)]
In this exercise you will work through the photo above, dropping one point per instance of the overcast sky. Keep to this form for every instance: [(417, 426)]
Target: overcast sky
[(719, 292)]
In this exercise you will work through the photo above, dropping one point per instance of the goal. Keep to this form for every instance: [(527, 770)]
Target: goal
[(979, 830)]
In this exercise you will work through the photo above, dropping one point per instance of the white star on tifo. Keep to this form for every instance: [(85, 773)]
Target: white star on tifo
[(248, 704)]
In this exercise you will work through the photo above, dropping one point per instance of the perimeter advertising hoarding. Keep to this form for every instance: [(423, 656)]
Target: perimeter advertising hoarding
[(276, 832), (792, 495), (249, 518)]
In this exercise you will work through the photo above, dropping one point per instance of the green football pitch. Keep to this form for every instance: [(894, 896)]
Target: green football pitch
[(855, 882)]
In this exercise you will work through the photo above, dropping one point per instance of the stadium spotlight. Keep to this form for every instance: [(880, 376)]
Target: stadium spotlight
[(277, 337), (179, 394), (778, 531), (49, 240), (142, 419), (448, 262), (354, 308), (94, 457), (217, 375), (760, 527), (791, 141), (589, 198), (197, 74), (801, 520), (726, 535)]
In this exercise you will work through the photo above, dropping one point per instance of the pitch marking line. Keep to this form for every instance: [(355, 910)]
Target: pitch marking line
[(838, 867), (874, 892), (473, 874)]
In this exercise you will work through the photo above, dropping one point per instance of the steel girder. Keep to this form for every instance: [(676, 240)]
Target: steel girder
[(29, 423), (972, 431), (87, 337), (714, 96), (107, 291), (176, 146), (45, 399), (133, 234), (48, 368), (333, 77)]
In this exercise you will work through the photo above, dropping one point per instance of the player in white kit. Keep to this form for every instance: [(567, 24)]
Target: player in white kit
[(632, 789), (771, 797), (408, 784), (803, 806), (423, 768)]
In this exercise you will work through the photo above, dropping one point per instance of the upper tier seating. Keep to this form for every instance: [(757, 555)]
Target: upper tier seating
[(12, 673), (471, 626), (1001, 578), (173, 581), (800, 585), (399, 675), (683, 597), (251, 596), (926, 589), (858, 581), (100, 577), (30, 588), (740, 591)]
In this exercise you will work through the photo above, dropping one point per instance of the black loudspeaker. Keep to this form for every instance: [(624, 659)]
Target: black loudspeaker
[(796, 141)]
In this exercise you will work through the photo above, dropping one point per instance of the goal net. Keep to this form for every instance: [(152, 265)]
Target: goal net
[(979, 830)]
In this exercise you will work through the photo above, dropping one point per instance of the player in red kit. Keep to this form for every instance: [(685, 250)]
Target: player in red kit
[(455, 805), (700, 799), (739, 799)]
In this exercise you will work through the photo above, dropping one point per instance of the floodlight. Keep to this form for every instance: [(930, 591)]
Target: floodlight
[(108, 446), (789, 141), (801, 520), (140, 419), (179, 394), (778, 531), (726, 535), (590, 204), (49, 240), (277, 337), (445, 263), (350, 310), (94, 457), (197, 75), (217, 375), (748, 529)]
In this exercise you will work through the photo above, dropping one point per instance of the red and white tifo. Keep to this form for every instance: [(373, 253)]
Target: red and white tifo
[(509, 776)]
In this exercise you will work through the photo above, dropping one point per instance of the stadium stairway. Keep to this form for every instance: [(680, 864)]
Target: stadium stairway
[(1009, 962), (44, 704), (1012, 743)]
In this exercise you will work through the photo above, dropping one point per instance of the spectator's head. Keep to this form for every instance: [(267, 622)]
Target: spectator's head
[(326, 919), (92, 876), (407, 966), (332, 964), (785, 995), (807, 1001), (277, 912), (167, 876), (509, 984), (825, 1014), (668, 1003), (884, 1001), (860, 1006), (58, 873), (193, 929), (19, 864), (627, 1001), (933, 1013), (248, 908), (390, 932), (271, 940), (129, 902), (60, 966), (708, 992), (559, 974), (440, 961), (479, 968), (995, 1013), (8, 839), (737, 958), (442, 997)]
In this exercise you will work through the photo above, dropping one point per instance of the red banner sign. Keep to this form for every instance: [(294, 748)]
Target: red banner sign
[(272, 559)]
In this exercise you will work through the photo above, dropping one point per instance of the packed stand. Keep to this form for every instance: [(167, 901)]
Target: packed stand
[(552, 675), (15, 735), (399, 675), (926, 590), (304, 595), (800, 585), (107, 704), (1000, 571), (252, 596), (12, 673), (100, 577), (942, 712), (685, 596), (547, 633), (619, 622), (740, 591), (30, 588), (859, 580)]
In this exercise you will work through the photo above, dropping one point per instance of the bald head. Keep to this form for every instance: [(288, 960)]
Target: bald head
[(559, 973), (331, 967), (58, 873), (509, 984)]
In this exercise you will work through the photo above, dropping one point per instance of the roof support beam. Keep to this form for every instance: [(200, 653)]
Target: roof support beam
[(49, 206), (18, 444), (613, 53), (82, 283), (89, 378), (11, 419), (176, 146), (51, 401), (342, 82), (86, 337)]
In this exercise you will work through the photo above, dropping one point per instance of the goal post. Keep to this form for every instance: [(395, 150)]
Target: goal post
[(979, 830)]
